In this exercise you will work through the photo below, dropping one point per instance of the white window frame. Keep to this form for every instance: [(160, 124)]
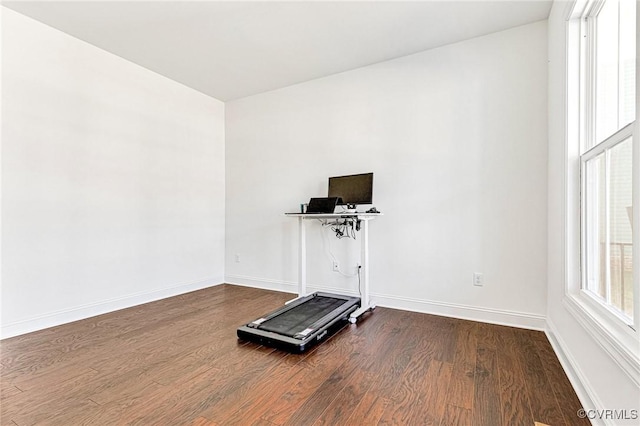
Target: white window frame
[(619, 337), (603, 148)]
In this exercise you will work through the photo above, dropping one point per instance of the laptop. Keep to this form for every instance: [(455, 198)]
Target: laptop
[(322, 205)]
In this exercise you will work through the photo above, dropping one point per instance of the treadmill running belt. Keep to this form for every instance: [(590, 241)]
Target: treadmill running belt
[(299, 318), (301, 323)]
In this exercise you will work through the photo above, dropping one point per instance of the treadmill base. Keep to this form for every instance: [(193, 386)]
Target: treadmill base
[(303, 336)]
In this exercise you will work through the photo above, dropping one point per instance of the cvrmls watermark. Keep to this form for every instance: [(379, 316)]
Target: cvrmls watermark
[(609, 414)]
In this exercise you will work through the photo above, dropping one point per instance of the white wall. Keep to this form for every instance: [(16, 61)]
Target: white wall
[(597, 375), (112, 181), (456, 138)]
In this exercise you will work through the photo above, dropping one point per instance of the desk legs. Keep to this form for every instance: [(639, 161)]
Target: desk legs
[(302, 259), (365, 302)]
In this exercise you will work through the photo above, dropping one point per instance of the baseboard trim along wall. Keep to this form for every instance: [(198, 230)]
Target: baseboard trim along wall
[(578, 380), (93, 309), (473, 313)]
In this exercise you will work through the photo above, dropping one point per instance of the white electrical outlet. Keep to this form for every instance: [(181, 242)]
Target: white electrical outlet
[(237, 258), (478, 279), (335, 267)]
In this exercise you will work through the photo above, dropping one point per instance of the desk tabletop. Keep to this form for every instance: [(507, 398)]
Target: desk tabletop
[(360, 215)]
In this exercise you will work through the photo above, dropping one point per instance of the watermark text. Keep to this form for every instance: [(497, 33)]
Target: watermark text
[(605, 414)]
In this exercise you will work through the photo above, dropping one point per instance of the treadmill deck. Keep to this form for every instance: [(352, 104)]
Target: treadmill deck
[(302, 323)]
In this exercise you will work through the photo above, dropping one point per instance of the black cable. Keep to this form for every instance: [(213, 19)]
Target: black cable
[(348, 228)]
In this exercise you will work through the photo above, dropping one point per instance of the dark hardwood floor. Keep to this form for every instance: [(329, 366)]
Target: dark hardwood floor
[(178, 362)]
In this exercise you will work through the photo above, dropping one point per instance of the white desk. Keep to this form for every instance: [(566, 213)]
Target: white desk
[(365, 302)]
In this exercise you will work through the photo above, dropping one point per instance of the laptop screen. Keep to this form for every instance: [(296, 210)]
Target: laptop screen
[(322, 205)]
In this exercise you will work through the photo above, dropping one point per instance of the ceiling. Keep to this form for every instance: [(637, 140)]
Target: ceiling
[(233, 49)]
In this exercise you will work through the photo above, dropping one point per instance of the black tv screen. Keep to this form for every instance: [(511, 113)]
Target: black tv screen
[(352, 189)]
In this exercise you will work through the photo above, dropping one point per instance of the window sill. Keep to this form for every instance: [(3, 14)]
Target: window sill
[(620, 341)]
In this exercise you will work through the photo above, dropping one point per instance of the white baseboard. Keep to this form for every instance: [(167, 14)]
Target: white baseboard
[(473, 313), (265, 284), (65, 316), (454, 310), (579, 381)]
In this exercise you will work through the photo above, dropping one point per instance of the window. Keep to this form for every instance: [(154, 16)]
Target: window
[(606, 216), (607, 115)]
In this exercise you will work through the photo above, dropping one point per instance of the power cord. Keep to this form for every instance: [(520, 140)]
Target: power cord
[(346, 228), (328, 250)]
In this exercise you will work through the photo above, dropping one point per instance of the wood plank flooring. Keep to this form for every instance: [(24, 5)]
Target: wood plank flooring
[(177, 361)]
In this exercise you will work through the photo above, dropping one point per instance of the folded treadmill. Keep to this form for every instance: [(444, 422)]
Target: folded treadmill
[(302, 323)]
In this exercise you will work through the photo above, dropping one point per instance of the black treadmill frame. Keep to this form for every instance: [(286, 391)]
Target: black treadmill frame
[(322, 329)]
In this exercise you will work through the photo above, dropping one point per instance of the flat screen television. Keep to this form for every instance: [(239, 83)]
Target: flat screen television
[(352, 189)]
